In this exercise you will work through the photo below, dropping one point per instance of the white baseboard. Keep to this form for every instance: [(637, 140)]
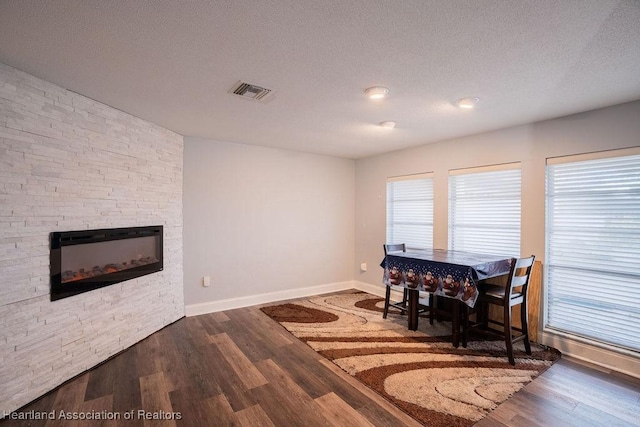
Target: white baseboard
[(249, 300), (372, 289), (379, 290), (628, 364)]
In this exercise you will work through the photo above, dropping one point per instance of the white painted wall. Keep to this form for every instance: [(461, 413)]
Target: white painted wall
[(263, 221), (70, 163), (604, 129)]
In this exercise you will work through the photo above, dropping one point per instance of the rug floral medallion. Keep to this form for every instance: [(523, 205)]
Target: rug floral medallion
[(419, 371)]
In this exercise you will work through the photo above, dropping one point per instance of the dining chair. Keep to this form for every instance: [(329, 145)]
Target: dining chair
[(402, 305), (509, 296)]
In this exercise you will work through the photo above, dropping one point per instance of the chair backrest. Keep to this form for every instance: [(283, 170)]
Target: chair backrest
[(394, 248), (519, 275)]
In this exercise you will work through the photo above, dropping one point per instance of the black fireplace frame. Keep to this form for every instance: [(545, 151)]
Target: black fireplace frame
[(59, 239)]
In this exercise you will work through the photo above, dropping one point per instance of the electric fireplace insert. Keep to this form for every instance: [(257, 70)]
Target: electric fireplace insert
[(90, 259)]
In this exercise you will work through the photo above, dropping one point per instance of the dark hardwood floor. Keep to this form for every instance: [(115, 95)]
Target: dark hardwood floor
[(240, 368)]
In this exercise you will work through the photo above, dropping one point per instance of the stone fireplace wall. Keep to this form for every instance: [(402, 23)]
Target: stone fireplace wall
[(70, 163)]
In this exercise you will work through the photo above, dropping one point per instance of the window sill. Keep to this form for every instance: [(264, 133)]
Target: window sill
[(610, 357)]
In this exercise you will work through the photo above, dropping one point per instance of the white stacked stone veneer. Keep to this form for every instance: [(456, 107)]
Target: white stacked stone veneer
[(70, 163)]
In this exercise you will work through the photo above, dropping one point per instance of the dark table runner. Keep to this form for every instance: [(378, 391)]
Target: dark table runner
[(453, 274)]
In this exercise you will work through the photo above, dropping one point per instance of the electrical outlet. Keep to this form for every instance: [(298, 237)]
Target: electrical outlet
[(363, 266), (206, 281)]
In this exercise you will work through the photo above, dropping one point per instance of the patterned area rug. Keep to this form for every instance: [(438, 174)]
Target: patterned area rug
[(420, 372)]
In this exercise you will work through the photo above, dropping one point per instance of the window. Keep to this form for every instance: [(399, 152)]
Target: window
[(593, 248), (410, 211), (484, 210)]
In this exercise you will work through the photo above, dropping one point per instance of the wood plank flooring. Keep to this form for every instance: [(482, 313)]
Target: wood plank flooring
[(239, 368)]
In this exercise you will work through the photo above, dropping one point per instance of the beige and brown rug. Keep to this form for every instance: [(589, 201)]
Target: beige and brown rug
[(420, 372)]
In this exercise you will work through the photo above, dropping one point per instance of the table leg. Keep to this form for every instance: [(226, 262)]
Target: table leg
[(455, 324), (413, 310)]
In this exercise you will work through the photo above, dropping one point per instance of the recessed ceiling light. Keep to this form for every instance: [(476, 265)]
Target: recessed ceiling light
[(388, 124), (376, 92), (467, 102)]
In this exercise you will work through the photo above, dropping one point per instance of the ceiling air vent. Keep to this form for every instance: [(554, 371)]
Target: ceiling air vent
[(249, 91)]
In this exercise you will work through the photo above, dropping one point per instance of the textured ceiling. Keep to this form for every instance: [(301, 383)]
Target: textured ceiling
[(172, 63)]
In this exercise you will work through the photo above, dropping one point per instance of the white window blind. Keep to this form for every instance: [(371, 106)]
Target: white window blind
[(593, 249), (484, 210), (410, 211)]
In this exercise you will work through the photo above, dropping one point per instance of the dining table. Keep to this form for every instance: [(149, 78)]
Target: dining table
[(448, 273)]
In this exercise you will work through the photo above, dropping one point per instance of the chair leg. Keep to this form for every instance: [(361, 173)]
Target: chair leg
[(484, 315), (386, 302), (507, 333), (405, 303), (524, 320)]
